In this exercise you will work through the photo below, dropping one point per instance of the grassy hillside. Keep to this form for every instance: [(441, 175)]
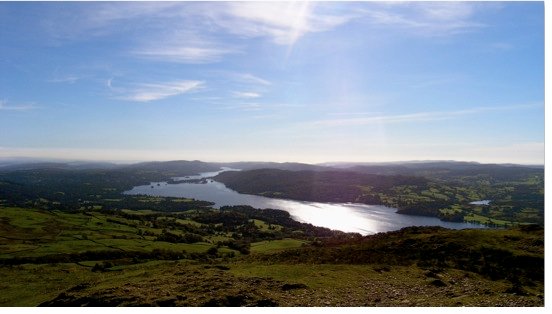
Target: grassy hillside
[(512, 254), (240, 256)]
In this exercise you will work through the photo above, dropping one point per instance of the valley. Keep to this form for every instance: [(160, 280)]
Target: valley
[(71, 237)]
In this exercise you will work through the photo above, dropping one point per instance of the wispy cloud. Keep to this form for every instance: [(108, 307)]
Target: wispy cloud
[(425, 18), (61, 76), (421, 116), (183, 38), (151, 92), (352, 113), (283, 22), (246, 94), (100, 19), (108, 13), (19, 107), (65, 79), (412, 117), (500, 46), (245, 107), (108, 83), (250, 78), (185, 49), (267, 109)]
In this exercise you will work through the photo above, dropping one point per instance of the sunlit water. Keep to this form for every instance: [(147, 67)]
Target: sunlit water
[(349, 217), (483, 202)]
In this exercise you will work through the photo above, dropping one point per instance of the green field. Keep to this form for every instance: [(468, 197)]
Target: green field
[(475, 218), (265, 226), (32, 233), (276, 245)]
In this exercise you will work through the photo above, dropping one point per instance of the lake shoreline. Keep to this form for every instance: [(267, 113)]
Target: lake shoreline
[(344, 216)]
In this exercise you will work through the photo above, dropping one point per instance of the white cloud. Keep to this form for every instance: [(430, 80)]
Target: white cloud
[(443, 11), (58, 76), (413, 117), (283, 22), (168, 31), (150, 92), (20, 107), (422, 116), (65, 79), (161, 23), (107, 13), (250, 78), (425, 18), (245, 107), (108, 83), (246, 94), (185, 50), (100, 19)]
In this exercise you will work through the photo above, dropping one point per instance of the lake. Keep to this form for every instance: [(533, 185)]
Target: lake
[(483, 202), (348, 217)]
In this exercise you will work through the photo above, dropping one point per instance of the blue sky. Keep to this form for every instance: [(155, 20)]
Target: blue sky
[(296, 81)]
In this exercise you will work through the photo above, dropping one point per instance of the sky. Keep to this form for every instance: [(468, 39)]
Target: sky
[(273, 81)]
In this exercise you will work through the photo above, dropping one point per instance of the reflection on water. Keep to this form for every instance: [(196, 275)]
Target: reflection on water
[(205, 174), (483, 202), (364, 219)]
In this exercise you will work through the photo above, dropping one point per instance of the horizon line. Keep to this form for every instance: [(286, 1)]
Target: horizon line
[(17, 159)]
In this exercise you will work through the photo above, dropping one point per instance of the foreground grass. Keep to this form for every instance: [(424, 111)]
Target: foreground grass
[(411, 267), (186, 283)]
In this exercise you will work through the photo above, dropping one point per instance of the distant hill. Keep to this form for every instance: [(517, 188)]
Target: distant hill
[(170, 168), (308, 185), (70, 183), (292, 166), (439, 168), (179, 167), (77, 165), (516, 192), (174, 168), (445, 170)]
